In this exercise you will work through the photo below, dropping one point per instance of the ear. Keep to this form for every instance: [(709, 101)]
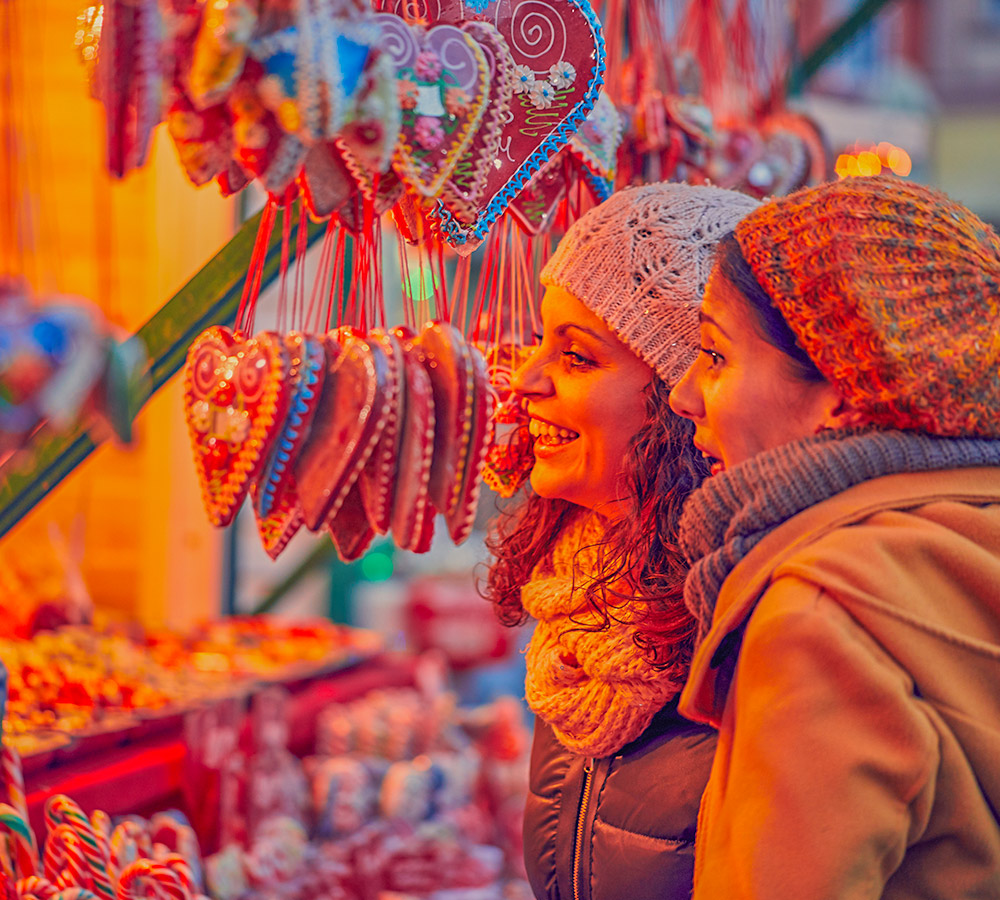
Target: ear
[(841, 414)]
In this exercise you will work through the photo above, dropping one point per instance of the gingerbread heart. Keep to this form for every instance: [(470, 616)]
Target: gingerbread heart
[(306, 373), (235, 401), (349, 527), (203, 139), (219, 51), (325, 180), (347, 426), (282, 523), (376, 480), (448, 362), (477, 435), (463, 189), (595, 145), (367, 141), (534, 209), (443, 83), (558, 54), (412, 513)]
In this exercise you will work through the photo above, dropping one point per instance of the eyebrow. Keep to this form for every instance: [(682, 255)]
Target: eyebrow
[(705, 317), (562, 329)]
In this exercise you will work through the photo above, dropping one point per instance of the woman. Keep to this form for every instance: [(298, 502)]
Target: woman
[(616, 774), (846, 553)]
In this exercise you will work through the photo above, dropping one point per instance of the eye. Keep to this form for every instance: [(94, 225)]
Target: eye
[(715, 359), (577, 360), (537, 336)]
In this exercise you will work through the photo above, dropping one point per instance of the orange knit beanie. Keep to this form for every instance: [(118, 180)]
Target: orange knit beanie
[(893, 290)]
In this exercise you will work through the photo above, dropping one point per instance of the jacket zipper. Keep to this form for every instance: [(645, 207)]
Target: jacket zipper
[(588, 774)]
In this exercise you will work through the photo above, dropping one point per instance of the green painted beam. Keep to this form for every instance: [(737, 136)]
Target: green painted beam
[(832, 44), (211, 297)]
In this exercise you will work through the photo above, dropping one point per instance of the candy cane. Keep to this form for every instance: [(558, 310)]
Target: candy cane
[(25, 855), (64, 861), (61, 810), (35, 888), (129, 842), (100, 821), (138, 877), (76, 893), (179, 866), (13, 779)]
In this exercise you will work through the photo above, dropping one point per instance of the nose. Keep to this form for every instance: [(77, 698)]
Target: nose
[(685, 398), (530, 378)]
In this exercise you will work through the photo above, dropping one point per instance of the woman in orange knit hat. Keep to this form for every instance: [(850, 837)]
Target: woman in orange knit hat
[(845, 555), (616, 774)]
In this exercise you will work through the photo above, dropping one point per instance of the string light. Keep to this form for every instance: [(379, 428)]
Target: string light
[(873, 159)]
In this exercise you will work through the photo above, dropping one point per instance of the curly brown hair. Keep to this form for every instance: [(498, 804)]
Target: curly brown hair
[(641, 563)]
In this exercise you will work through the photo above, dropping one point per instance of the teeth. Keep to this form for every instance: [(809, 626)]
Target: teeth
[(552, 434)]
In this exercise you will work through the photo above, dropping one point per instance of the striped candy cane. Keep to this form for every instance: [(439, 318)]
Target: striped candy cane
[(13, 779), (179, 866), (129, 841), (60, 810), (100, 821), (145, 878), (76, 893), (64, 860), (35, 888), (25, 852)]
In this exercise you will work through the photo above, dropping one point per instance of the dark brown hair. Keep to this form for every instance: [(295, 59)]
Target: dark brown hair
[(767, 320), (641, 564)]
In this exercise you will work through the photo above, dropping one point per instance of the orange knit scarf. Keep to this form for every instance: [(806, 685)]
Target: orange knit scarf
[(593, 687)]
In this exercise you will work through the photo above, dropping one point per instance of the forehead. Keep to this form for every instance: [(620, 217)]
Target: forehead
[(722, 301), (560, 307)]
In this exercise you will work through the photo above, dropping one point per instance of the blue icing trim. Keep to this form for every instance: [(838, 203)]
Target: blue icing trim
[(477, 6), (451, 228)]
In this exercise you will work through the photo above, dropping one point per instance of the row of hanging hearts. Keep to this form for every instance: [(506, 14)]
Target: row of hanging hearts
[(355, 434), (462, 107)]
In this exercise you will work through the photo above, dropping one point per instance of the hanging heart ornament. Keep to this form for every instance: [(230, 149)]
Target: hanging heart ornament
[(235, 403), (558, 54), (442, 76)]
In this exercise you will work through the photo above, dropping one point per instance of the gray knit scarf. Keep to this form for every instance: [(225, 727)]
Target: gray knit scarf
[(733, 511)]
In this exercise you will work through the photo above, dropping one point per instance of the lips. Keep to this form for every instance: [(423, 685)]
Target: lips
[(715, 465)]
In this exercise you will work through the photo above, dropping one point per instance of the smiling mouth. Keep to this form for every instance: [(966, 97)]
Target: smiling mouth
[(549, 435), (715, 465)]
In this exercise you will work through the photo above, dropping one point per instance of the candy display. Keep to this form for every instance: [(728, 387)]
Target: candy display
[(80, 680), (387, 430)]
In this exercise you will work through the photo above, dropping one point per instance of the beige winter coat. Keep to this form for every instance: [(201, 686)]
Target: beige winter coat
[(859, 748)]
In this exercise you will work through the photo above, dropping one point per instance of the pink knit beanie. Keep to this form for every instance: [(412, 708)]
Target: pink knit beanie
[(640, 261)]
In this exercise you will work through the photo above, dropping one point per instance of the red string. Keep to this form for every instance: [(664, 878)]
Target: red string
[(251, 287)]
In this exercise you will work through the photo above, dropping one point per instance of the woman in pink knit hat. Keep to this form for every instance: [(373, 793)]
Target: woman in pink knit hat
[(845, 555), (616, 773)]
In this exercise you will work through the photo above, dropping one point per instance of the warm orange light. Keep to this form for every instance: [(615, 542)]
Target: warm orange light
[(899, 161), (871, 160), (868, 163)]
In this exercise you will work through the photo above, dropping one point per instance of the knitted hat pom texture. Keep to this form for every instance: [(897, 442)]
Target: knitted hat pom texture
[(893, 290), (641, 260)]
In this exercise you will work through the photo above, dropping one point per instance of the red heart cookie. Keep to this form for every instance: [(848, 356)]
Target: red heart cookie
[(347, 426), (279, 526), (349, 528), (235, 401), (478, 429), (448, 362), (307, 370), (379, 475), (325, 180), (412, 513), (534, 209)]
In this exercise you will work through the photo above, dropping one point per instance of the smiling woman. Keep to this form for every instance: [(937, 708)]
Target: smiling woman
[(591, 554)]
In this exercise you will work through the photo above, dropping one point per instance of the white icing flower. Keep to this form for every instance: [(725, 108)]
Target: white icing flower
[(562, 75), (542, 94), (524, 79)]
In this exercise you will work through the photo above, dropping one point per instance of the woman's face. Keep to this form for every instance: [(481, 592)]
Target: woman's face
[(740, 392), (584, 391)]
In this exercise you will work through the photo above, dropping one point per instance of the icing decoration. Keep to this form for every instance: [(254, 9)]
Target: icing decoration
[(412, 513), (282, 523), (442, 104), (509, 457), (464, 187), (235, 400), (307, 370)]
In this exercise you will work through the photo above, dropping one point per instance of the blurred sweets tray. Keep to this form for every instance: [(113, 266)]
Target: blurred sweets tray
[(42, 748)]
